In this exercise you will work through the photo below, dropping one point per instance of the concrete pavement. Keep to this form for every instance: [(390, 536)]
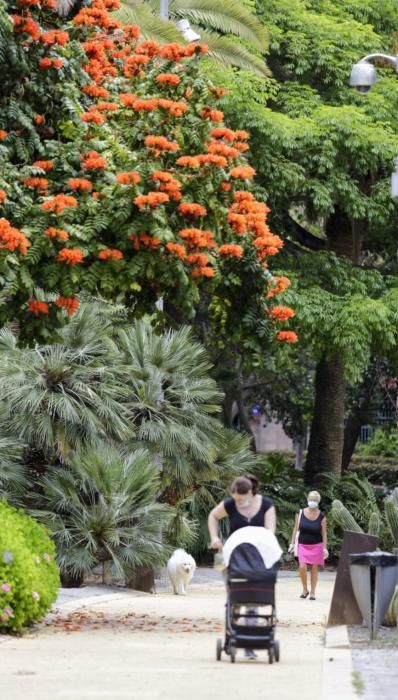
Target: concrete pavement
[(116, 644)]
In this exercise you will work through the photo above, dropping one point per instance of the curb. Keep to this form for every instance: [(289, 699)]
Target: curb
[(337, 666)]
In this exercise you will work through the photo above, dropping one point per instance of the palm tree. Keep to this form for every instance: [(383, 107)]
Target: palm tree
[(102, 509), (57, 398), (13, 481), (233, 33), (174, 404)]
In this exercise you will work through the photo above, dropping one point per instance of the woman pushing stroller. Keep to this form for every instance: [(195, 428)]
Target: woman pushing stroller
[(246, 508)]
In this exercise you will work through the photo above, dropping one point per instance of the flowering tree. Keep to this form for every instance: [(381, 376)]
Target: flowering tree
[(118, 177)]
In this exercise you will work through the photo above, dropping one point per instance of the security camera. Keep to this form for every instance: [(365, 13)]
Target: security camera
[(363, 76)]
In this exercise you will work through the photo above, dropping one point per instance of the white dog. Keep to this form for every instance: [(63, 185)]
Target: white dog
[(180, 568)]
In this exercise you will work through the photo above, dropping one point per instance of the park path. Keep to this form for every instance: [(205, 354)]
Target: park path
[(114, 644)]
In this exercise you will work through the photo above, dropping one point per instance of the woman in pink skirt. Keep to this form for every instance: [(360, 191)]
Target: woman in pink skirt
[(312, 550)]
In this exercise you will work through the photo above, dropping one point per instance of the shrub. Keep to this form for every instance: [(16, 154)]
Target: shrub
[(29, 577), (384, 443)]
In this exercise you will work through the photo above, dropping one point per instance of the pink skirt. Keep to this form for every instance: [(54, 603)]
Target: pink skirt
[(311, 554)]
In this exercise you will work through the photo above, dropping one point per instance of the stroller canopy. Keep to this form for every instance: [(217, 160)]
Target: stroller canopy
[(263, 549)]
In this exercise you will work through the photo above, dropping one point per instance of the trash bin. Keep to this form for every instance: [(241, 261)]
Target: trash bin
[(373, 577)]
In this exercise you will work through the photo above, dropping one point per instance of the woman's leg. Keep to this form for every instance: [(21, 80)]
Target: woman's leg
[(303, 576), (314, 578)]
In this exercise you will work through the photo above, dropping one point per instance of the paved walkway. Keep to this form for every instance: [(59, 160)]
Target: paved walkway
[(117, 644)]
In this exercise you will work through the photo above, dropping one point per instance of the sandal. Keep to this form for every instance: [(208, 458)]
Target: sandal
[(312, 597), (304, 595)]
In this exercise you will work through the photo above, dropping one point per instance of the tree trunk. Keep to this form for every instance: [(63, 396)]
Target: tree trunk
[(142, 579), (327, 430)]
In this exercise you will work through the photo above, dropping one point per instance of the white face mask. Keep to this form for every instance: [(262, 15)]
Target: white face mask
[(312, 504)]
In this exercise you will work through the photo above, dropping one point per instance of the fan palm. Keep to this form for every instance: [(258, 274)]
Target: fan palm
[(58, 398), (174, 404), (102, 509), (13, 481)]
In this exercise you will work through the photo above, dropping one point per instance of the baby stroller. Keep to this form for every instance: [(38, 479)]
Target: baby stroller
[(250, 555)]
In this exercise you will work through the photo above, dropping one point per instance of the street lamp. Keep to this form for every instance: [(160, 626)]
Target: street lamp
[(182, 25), (363, 77), (363, 74)]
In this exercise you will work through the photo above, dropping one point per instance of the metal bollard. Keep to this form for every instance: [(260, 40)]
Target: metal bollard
[(373, 577)]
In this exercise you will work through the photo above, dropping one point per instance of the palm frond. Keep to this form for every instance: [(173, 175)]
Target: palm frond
[(229, 17), (230, 52)]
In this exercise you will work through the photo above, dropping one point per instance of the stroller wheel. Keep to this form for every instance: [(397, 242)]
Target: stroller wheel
[(219, 649), (232, 653), (276, 650), (271, 655)]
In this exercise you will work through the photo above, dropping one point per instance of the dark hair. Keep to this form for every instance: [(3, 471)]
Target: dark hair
[(241, 485), (254, 482)]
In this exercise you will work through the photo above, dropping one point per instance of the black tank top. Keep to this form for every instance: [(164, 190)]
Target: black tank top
[(237, 520), (310, 530)]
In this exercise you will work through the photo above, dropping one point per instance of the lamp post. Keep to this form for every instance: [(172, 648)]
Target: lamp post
[(182, 24), (363, 77)]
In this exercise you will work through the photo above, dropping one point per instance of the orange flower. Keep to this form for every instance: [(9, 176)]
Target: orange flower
[(39, 119), (242, 196), (145, 240), (93, 117), (214, 114), (219, 92), (281, 313), (223, 150), (57, 233), (110, 254), (176, 109), (70, 304), (46, 63), (235, 250), (225, 186), (152, 199), (196, 238), (200, 259), (70, 256), (237, 222), (107, 107), (287, 336), (54, 37), (144, 105), (203, 272), (3, 134), (58, 203), (242, 135), (3, 196), (11, 238), (93, 161), (161, 143), (243, 172), (168, 79), (148, 48), (95, 91), (242, 147), (226, 134), (36, 182), (178, 249), (192, 209), (26, 25), (173, 52), (280, 284), (221, 161), (43, 164), (37, 307), (80, 183), (128, 178), (188, 162)]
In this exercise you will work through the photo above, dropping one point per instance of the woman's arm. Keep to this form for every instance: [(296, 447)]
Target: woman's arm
[(270, 519), (218, 513), (294, 533), (324, 533)]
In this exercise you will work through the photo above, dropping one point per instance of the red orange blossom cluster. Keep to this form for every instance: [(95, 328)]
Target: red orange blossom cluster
[(122, 76)]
